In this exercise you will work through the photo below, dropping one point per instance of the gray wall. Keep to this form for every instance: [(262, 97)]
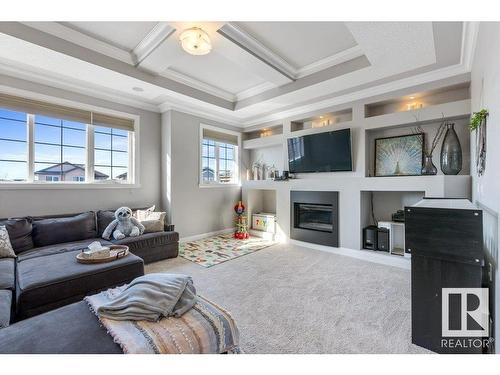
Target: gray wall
[(485, 89), (193, 209), (16, 202)]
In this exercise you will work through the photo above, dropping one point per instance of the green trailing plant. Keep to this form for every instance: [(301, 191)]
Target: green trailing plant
[(477, 119)]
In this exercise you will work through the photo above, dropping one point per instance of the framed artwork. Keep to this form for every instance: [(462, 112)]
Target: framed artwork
[(402, 155)]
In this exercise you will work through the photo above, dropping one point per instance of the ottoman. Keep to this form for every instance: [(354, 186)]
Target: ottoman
[(56, 279)]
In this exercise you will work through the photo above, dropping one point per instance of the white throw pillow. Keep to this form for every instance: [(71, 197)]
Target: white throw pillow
[(6, 250), (142, 215), (152, 221)]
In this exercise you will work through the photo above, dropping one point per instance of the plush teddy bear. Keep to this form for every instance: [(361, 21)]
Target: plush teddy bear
[(124, 225)]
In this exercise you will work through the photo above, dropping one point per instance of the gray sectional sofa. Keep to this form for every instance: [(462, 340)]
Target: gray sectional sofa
[(45, 274)]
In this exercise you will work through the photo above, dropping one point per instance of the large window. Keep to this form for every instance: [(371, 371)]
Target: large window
[(219, 156), (54, 144)]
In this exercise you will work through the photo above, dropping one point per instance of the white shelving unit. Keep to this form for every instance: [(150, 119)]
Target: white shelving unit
[(450, 102), (271, 140)]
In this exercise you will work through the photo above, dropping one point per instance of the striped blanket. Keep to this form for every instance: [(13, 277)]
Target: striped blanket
[(204, 329)]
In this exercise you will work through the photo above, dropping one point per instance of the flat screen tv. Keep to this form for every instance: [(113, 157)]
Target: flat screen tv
[(322, 152)]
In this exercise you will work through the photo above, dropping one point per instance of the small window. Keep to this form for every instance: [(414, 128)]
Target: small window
[(51, 178), (219, 156), (78, 178)]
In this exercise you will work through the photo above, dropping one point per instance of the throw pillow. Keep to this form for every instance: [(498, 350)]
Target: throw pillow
[(6, 250), (142, 215), (151, 226), (152, 221)]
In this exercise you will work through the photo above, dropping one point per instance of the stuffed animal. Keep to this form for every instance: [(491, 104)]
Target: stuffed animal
[(124, 225)]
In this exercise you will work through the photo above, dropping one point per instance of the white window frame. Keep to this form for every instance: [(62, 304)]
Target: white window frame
[(237, 159), (89, 183)]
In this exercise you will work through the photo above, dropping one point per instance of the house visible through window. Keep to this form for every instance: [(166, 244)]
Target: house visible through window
[(219, 156), (111, 157), (60, 149), (54, 146)]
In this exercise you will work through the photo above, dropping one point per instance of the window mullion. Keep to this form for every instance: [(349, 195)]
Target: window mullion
[(89, 166), (31, 147), (217, 163)]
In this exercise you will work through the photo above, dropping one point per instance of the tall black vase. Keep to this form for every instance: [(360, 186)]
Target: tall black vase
[(451, 152)]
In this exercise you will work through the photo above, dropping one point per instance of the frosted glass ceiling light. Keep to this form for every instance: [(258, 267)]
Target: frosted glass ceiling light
[(195, 41)]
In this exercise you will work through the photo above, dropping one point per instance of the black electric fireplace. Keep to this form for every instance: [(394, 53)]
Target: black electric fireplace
[(314, 217)]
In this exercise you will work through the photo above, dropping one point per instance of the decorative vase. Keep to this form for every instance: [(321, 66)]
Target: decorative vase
[(428, 168), (451, 152)]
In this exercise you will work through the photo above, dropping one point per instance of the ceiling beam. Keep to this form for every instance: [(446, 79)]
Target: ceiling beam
[(256, 57), (152, 41)]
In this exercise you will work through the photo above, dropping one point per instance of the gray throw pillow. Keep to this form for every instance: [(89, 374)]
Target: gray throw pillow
[(6, 250)]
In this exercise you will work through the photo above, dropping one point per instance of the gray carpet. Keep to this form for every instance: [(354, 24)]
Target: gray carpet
[(288, 299)]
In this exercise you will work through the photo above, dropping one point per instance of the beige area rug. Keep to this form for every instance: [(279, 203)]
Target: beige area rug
[(291, 299), (210, 251)]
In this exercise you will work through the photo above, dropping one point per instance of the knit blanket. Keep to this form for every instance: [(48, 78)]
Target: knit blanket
[(204, 329), (151, 297)]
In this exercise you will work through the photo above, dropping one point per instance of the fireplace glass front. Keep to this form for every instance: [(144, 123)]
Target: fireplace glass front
[(318, 217)]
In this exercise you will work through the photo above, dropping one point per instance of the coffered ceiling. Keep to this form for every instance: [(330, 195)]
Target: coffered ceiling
[(255, 72)]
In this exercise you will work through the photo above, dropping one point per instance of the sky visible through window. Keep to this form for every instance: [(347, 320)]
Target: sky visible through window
[(13, 146), (59, 149)]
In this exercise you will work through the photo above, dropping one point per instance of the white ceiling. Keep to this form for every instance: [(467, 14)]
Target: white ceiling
[(124, 35), (301, 43), (216, 70), (256, 72)]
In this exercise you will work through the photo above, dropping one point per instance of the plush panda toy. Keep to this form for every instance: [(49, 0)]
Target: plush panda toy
[(123, 226)]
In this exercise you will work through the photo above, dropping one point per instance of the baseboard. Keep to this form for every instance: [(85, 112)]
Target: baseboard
[(368, 255), (204, 235)]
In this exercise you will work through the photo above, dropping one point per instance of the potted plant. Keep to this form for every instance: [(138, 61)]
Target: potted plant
[(478, 124)]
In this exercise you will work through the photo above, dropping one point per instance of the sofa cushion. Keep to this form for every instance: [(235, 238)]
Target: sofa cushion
[(152, 247), (64, 229), (19, 233), (7, 273), (103, 220), (5, 307), (40, 335), (53, 280), (59, 248), (148, 240)]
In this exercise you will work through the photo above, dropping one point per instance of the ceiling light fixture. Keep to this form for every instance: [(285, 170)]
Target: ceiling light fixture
[(195, 41)]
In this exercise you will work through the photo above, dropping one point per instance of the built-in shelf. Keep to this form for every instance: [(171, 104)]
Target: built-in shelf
[(268, 141), (264, 132), (418, 100), (433, 186), (321, 121), (448, 111)]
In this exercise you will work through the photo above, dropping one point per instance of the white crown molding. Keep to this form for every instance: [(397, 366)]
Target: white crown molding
[(327, 62), (67, 33), (256, 90), (203, 113), (258, 49), (197, 84), (96, 92), (469, 39), (151, 41)]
